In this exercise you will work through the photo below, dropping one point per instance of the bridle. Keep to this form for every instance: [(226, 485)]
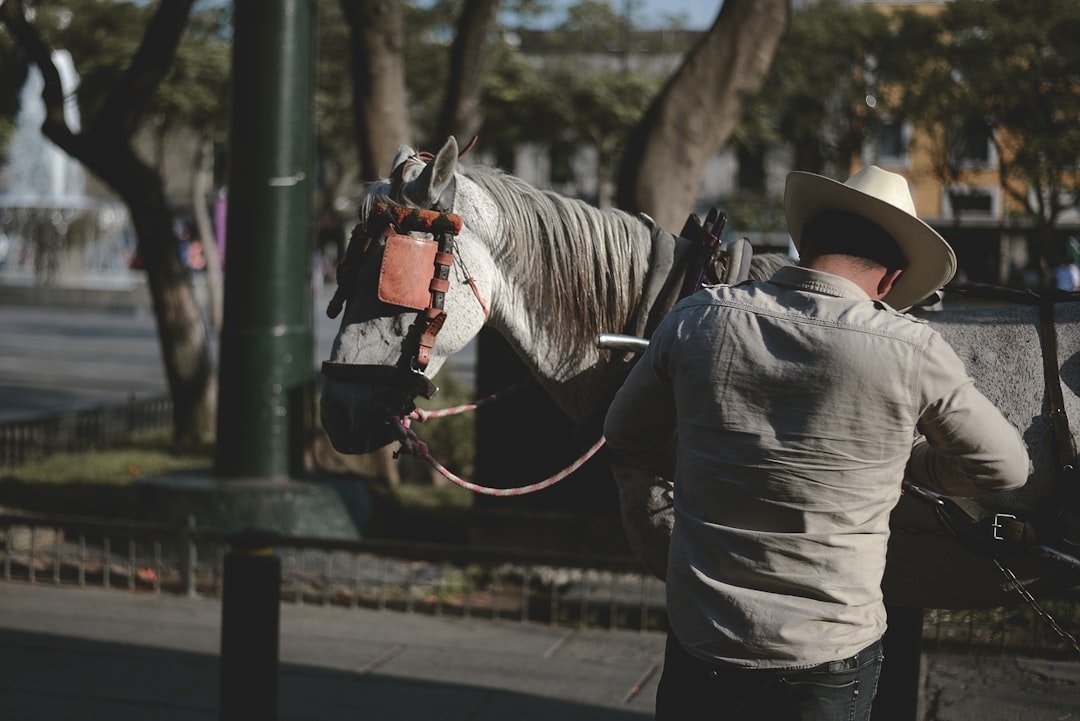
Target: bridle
[(418, 252)]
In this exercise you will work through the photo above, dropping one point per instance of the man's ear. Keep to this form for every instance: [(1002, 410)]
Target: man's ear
[(888, 281)]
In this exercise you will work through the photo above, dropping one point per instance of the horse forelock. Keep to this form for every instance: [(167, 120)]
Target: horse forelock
[(578, 265)]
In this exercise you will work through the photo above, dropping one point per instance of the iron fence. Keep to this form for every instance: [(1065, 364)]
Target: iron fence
[(552, 588), (23, 441), (435, 579)]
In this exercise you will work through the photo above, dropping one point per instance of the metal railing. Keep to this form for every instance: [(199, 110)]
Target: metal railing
[(552, 588), (23, 441), (433, 579)]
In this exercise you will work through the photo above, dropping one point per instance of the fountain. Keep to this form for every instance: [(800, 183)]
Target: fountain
[(52, 232)]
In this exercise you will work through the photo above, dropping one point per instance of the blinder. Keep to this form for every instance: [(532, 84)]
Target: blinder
[(407, 271)]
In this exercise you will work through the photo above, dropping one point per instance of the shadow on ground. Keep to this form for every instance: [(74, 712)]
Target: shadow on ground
[(46, 677)]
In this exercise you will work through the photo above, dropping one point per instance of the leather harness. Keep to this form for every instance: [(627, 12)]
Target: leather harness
[(997, 527), (415, 274)]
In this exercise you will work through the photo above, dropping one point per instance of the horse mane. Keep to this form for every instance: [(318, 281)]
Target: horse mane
[(574, 261)]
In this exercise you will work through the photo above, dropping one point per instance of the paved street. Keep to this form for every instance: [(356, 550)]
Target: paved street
[(61, 359), (56, 358), (89, 655)]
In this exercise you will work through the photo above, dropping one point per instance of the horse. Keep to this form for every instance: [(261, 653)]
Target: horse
[(551, 273)]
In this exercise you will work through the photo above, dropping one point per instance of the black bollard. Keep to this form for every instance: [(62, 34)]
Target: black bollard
[(250, 615), (898, 688)]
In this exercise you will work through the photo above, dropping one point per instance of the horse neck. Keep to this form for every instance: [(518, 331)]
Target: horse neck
[(570, 271)]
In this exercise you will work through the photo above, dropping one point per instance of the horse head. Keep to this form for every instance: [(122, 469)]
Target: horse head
[(408, 301)]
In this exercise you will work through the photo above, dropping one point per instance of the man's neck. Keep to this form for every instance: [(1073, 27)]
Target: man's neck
[(869, 278)]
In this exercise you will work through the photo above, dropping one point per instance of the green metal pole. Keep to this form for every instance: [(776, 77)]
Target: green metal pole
[(267, 333)]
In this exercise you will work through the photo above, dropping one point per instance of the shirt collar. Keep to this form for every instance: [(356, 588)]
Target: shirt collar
[(817, 281)]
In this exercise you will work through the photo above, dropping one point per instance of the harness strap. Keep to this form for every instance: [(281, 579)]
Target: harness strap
[(435, 316), (985, 527), (427, 338), (968, 515), (1059, 422)]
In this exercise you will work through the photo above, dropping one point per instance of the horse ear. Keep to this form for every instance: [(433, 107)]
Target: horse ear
[(426, 190), (404, 152)]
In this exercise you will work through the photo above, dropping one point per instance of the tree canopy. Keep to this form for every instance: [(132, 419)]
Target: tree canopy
[(1010, 69)]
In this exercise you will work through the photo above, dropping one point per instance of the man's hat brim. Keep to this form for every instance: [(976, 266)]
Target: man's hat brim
[(877, 195)]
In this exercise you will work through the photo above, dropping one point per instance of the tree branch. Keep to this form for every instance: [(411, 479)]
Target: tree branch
[(460, 114), (55, 127), (698, 109), (124, 108)]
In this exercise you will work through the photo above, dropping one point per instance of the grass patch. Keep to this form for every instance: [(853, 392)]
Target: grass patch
[(145, 454), (99, 482), (102, 483)]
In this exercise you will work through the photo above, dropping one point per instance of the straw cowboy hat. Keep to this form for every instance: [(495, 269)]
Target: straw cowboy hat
[(882, 198)]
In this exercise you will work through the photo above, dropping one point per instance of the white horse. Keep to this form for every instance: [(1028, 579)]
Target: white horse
[(550, 273)]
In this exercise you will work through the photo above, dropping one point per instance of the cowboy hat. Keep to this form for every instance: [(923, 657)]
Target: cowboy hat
[(884, 199)]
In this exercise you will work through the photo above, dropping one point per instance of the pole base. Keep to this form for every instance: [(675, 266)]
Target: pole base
[(295, 507)]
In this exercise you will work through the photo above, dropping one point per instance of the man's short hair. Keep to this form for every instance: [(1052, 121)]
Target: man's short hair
[(844, 233)]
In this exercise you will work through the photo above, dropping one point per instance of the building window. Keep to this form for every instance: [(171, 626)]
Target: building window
[(967, 202), (892, 143), (972, 144)]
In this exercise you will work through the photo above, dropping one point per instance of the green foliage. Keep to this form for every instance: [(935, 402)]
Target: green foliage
[(452, 439), (146, 454), (573, 90), (814, 97), (429, 31), (1012, 68), (196, 87), (333, 78), (103, 36)]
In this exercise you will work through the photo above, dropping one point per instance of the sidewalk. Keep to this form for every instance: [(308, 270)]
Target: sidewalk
[(95, 655), (69, 654)]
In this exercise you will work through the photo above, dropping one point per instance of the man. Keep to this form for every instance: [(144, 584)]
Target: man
[(786, 413)]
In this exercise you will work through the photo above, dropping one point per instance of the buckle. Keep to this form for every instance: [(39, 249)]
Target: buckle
[(997, 525)]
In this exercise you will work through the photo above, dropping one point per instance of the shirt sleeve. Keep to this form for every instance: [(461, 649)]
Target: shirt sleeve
[(640, 425), (967, 447)]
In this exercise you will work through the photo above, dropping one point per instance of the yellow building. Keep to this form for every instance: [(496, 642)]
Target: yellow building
[(974, 214)]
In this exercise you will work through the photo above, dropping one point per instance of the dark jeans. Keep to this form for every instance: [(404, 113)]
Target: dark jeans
[(695, 690)]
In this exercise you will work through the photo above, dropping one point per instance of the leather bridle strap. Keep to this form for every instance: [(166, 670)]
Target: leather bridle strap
[(435, 314)]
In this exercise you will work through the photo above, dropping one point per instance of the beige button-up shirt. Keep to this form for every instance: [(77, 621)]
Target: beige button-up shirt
[(792, 406)]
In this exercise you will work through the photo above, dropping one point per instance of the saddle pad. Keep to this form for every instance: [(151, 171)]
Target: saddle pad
[(408, 265)]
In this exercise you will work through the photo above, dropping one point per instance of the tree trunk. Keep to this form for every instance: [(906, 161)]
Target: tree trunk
[(182, 332), (378, 70), (461, 115), (202, 186), (104, 147), (698, 109)]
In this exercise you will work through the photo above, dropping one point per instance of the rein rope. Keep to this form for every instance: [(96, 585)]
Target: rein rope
[(413, 446)]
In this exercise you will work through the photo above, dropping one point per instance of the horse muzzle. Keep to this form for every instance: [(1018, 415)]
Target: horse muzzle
[(361, 404)]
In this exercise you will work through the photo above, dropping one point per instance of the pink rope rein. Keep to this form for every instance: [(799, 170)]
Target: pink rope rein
[(412, 445), (421, 415)]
